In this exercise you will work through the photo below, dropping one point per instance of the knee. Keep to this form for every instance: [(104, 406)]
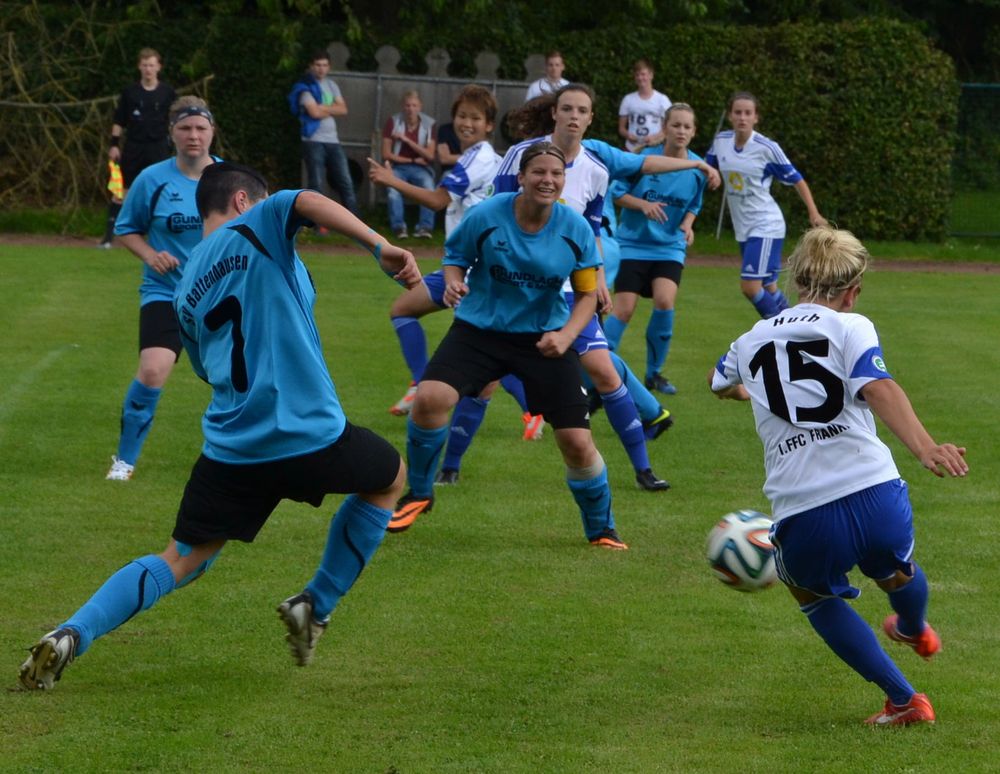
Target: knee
[(577, 447), (603, 374), (432, 403)]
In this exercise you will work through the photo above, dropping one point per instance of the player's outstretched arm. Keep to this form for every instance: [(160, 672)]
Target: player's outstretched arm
[(661, 165), (815, 219), (395, 261), (890, 404), (436, 199), (732, 392)]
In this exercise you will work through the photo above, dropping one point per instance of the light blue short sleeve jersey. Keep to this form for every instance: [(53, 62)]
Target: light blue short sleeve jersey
[(515, 277), (642, 239), (160, 205), (622, 165), (245, 308)]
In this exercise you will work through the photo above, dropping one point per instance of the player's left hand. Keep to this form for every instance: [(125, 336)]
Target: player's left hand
[(688, 234), (553, 343), (455, 292), (605, 303), (945, 458)]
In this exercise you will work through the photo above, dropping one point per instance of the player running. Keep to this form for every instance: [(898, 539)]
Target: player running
[(160, 224), (750, 162), (274, 428), (814, 374)]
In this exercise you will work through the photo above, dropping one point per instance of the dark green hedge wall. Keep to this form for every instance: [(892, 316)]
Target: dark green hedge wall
[(866, 110)]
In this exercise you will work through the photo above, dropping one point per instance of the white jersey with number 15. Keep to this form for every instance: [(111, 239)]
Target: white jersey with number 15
[(804, 370)]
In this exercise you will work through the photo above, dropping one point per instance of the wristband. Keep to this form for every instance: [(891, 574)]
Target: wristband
[(115, 140)]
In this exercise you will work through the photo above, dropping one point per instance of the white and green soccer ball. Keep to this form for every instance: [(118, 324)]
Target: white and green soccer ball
[(740, 553)]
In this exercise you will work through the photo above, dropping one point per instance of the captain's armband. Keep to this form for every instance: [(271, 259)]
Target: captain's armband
[(584, 280)]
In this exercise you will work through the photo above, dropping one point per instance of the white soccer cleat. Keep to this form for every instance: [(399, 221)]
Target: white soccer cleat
[(304, 631), (120, 470), (49, 657)]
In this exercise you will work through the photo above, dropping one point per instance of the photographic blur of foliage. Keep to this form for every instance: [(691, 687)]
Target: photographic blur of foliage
[(845, 87)]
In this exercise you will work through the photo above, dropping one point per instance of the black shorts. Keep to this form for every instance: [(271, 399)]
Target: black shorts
[(158, 327), (469, 358), (233, 501), (637, 276), (136, 156)]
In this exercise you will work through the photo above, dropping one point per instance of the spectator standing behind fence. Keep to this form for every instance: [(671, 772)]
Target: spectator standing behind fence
[(553, 80), (408, 144), (317, 101), (142, 116), (640, 116)]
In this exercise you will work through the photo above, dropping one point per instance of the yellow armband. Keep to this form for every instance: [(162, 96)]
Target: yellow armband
[(584, 280)]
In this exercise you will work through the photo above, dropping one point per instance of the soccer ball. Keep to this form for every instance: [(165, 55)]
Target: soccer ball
[(740, 551)]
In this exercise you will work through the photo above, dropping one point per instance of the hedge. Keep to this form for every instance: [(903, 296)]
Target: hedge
[(866, 109)]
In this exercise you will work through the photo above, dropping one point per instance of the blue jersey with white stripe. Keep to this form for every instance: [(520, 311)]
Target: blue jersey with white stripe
[(514, 277), (161, 205), (642, 239), (245, 308), (748, 173)]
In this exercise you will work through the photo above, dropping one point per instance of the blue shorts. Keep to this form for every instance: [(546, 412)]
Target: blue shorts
[(591, 337), (871, 529), (434, 282), (761, 258)]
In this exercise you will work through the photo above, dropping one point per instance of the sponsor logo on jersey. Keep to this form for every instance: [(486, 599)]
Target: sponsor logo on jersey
[(525, 279), (178, 223)]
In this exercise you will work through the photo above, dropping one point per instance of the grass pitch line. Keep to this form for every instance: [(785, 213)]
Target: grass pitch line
[(10, 398)]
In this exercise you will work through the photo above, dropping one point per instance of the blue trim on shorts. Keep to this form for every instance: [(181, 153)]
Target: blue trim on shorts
[(871, 530)]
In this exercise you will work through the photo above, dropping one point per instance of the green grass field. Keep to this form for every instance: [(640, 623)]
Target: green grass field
[(490, 637)]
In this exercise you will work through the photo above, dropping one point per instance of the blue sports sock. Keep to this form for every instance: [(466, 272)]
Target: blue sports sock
[(134, 588), (465, 421), (593, 495), (625, 420), (137, 417), (413, 342), (614, 329), (910, 602), (646, 404), (515, 387), (764, 304), (780, 302), (855, 643), (355, 533), (659, 331), (423, 447)]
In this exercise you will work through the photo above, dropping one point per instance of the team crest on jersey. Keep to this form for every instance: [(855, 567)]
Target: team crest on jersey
[(488, 191), (879, 363)]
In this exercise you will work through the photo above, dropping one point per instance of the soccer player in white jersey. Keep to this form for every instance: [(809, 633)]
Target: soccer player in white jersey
[(749, 163), (814, 374), (640, 115), (553, 80)]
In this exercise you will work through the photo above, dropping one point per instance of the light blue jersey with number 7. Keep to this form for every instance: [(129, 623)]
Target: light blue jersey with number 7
[(245, 309)]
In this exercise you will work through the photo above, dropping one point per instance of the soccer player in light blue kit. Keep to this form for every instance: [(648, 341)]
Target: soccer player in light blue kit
[(160, 206), (814, 375), (274, 428), (658, 214), (518, 249)]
